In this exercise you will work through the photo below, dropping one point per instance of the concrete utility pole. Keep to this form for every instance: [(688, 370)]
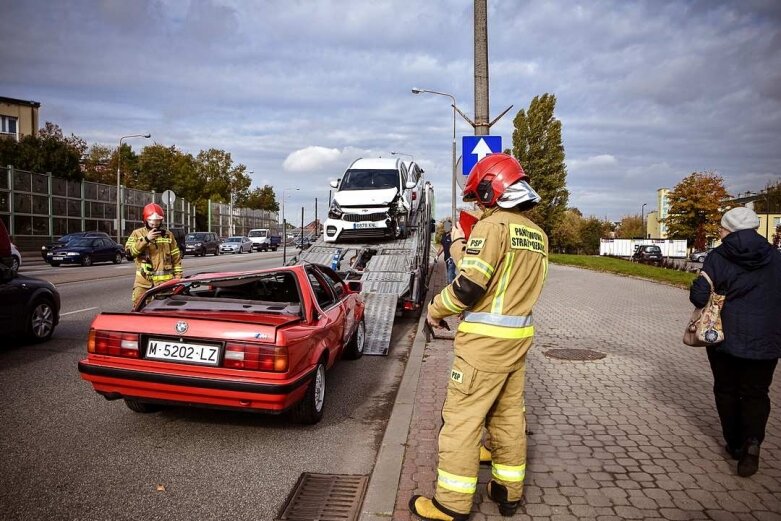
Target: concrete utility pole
[(481, 68)]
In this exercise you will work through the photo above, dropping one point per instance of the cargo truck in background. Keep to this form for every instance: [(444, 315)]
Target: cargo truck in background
[(263, 239)]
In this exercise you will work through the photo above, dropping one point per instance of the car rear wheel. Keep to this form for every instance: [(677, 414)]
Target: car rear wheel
[(141, 407), (86, 260), (310, 409), (40, 321), (117, 258), (354, 348)]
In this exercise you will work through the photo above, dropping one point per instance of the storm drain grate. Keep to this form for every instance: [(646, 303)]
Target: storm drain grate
[(575, 354), (325, 497)]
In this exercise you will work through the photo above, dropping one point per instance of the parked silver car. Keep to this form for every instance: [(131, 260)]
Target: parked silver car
[(236, 244), (699, 256)]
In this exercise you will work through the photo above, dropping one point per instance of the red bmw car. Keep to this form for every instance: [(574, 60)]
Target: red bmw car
[(256, 341)]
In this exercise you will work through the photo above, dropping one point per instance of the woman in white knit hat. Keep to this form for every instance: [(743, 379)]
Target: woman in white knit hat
[(747, 269)]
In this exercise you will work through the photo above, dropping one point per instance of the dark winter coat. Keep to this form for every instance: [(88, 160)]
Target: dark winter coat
[(747, 269)]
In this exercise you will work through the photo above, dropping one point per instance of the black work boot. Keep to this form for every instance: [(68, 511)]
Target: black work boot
[(733, 452), (748, 464), (498, 494)]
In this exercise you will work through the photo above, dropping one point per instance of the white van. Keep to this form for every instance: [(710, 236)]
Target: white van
[(263, 240), (372, 200)]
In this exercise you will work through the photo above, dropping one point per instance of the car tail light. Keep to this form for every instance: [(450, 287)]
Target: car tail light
[(409, 305), (114, 344), (243, 355)]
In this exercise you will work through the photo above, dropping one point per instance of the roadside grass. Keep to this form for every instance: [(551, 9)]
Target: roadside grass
[(682, 279)]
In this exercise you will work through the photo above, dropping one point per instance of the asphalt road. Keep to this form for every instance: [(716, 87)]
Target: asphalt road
[(67, 453)]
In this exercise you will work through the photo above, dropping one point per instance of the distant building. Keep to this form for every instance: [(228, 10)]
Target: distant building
[(18, 118), (654, 226)]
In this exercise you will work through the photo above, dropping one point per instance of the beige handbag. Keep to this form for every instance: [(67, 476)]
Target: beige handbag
[(704, 328)]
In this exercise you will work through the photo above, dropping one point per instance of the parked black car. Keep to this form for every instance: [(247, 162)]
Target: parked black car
[(29, 307), (201, 243), (65, 239), (87, 251), (648, 254)]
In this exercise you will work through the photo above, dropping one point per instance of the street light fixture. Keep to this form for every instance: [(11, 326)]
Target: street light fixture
[(119, 164), (416, 90), (410, 156), (284, 226), (642, 215)]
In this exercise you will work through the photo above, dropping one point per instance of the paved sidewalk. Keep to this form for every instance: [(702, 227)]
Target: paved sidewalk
[(632, 436)]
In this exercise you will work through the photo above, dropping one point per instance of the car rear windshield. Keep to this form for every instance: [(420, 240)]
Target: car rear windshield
[(370, 180), (653, 249)]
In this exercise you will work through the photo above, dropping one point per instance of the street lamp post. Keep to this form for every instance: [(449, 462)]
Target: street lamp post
[(642, 215), (284, 226), (119, 164), (453, 181)]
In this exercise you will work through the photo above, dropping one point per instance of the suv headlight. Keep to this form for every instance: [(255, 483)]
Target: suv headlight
[(335, 212)]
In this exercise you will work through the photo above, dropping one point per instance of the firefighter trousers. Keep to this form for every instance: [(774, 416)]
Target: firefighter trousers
[(476, 399)]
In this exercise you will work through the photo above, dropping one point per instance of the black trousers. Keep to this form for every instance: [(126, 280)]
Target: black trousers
[(741, 388)]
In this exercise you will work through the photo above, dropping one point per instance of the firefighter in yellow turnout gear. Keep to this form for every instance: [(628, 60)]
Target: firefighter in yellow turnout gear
[(502, 268), (157, 255)]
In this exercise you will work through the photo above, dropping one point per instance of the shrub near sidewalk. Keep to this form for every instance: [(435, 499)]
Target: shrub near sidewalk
[(622, 267)]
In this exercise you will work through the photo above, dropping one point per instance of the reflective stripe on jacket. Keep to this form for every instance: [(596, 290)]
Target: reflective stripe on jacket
[(502, 269)]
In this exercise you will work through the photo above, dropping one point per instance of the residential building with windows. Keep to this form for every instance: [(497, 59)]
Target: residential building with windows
[(654, 225), (18, 118)]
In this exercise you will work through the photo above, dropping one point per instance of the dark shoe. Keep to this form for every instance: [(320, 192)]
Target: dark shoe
[(431, 510), (749, 460), (498, 494), (735, 454)]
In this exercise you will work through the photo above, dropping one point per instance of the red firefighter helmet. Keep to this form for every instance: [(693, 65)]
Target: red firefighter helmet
[(490, 177), (153, 211)]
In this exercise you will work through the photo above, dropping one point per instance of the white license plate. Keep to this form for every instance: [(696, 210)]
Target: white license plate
[(58, 258), (159, 349), (364, 225)]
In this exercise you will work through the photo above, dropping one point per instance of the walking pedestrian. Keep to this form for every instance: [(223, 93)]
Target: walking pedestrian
[(444, 249), (747, 270), (503, 266), (155, 252)]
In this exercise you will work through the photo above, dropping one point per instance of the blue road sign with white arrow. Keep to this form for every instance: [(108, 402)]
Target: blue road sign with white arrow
[(475, 148)]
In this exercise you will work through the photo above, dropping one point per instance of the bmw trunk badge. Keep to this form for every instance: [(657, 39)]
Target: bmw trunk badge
[(181, 327)]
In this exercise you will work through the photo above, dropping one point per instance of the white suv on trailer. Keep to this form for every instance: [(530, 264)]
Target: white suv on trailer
[(372, 201)]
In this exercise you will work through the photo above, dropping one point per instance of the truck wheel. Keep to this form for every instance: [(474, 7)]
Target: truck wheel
[(141, 407), (354, 348), (310, 409)]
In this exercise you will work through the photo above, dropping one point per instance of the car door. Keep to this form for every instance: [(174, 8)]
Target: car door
[(332, 316), (346, 300)]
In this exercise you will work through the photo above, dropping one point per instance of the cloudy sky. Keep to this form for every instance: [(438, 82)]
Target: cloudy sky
[(648, 92)]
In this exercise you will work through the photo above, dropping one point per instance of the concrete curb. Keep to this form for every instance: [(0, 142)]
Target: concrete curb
[(380, 500)]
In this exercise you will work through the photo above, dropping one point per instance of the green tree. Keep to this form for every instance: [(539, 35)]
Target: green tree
[(263, 199), (167, 168), (537, 145), (97, 164), (696, 207), (566, 237), (47, 151), (591, 231), (631, 227)]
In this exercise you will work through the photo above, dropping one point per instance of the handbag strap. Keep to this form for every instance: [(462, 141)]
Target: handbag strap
[(707, 278)]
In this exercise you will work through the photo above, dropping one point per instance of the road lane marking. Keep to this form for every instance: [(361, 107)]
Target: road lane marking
[(77, 311)]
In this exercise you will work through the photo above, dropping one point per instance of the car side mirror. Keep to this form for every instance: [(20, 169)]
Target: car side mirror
[(334, 183), (355, 286), (410, 185)]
